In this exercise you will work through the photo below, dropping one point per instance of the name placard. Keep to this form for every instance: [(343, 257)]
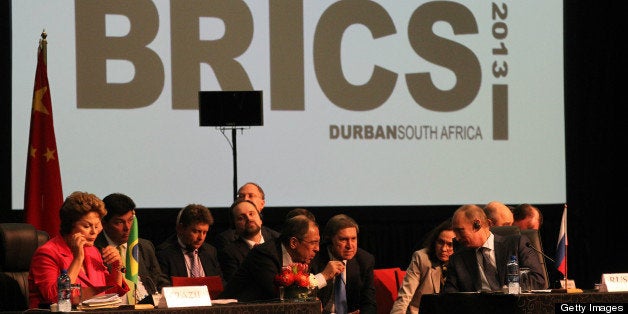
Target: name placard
[(185, 296), (614, 282), (571, 284)]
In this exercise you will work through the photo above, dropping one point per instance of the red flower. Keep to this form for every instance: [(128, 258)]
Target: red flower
[(284, 278), (296, 273), (302, 280)]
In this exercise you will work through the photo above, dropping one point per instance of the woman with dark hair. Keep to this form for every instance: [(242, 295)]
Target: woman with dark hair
[(427, 270), (74, 251)]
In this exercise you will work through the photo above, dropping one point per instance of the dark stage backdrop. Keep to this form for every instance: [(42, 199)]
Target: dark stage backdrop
[(596, 184)]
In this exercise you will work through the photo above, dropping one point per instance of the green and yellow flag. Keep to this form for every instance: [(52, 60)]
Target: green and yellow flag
[(132, 253)]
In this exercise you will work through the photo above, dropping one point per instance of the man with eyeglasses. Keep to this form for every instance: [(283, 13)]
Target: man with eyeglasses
[(252, 192), (254, 279)]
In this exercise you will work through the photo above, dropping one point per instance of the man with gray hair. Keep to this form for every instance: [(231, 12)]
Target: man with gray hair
[(352, 289)]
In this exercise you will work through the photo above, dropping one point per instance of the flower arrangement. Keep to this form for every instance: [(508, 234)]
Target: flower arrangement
[(293, 274), (295, 281)]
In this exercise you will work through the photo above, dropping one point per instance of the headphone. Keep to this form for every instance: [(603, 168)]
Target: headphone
[(179, 216), (476, 225)]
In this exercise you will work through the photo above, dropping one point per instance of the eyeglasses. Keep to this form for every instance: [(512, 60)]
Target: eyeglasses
[(312, 243)]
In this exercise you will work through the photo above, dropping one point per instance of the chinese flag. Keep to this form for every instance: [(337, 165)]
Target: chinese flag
[(43, 195)]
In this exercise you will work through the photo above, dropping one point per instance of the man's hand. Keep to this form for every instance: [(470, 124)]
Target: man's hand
[(332, 269), (111, 256)]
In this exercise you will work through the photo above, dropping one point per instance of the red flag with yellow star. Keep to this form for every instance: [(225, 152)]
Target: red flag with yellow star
[(43, 195)]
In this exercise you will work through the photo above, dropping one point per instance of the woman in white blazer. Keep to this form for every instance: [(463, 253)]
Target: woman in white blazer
[(427, 270)]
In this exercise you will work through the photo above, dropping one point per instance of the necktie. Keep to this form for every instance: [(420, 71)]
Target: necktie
[(489, 270), (195, 267), (340, 295), (122, 251)]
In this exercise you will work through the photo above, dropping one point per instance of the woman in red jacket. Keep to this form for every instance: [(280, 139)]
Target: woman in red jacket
[(74, 251)]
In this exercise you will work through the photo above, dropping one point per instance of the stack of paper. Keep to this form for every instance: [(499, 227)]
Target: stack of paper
[(111, 300)]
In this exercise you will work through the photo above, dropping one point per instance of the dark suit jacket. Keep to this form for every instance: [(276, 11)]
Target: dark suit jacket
[(360, 288), (254, 279), (228, 236), (148, 266), (463, 273), (232, 255), (172, 261)]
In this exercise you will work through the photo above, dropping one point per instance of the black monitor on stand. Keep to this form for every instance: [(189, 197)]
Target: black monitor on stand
[(231, 110)]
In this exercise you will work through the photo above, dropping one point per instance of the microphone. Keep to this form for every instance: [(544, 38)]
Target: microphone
[(554, 276), (528, 244)]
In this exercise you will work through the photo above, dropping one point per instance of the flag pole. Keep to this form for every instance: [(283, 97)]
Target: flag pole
[(43, 44), (566, 247), (43, 193), (132, 258)]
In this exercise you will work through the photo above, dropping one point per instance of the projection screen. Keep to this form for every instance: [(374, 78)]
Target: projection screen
[(364, 102)]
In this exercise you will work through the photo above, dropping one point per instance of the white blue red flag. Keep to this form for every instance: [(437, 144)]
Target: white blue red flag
[(561, 247)]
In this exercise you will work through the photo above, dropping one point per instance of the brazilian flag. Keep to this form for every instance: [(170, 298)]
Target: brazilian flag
[(132, 253)]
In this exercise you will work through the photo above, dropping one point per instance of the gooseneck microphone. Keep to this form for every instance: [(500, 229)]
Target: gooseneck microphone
[(528, 244), (554, 276)]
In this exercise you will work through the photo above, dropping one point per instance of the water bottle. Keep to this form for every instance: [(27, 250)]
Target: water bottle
[(512, 275), (64, 292)]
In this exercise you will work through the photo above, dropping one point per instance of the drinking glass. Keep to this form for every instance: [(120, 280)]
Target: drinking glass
[(75, 294), (524, 279), (156, 298)]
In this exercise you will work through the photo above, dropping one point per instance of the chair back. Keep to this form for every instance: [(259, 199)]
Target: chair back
[(387, 283), (213, 283), (535, 239), (506, 230), (18, 242)]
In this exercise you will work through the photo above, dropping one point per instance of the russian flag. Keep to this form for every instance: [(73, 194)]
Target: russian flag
[(561, 247)]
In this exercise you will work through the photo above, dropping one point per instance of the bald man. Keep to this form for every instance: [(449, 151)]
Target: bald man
[(498, 214)]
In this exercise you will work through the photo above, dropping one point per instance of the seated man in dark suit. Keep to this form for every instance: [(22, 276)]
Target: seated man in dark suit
[(254, 279), (116, 229), (185, 254), (340, 243), (479, 262), (247, 222), (250, 192)]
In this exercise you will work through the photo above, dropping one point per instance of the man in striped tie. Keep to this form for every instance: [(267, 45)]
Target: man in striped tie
[(185, 254)]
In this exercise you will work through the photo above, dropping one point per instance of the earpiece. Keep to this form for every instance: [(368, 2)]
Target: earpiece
[(476, 225)]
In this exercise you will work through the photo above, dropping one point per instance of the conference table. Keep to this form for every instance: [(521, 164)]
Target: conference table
[(543, 302), (289, 307)]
